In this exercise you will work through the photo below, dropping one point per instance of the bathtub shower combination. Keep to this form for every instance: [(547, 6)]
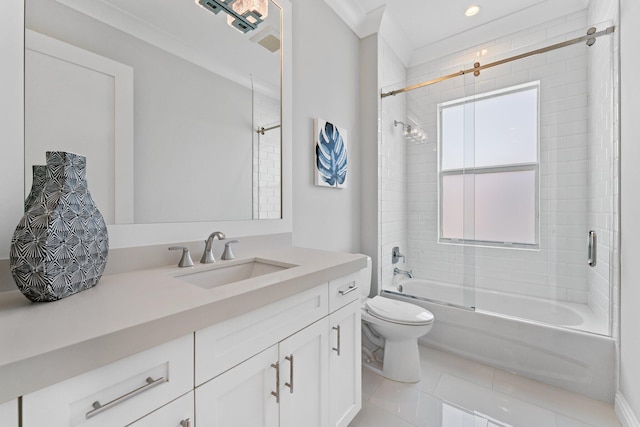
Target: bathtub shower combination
[(506, 208)]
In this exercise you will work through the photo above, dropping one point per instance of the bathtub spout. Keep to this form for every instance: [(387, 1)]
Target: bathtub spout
[(409, 273)]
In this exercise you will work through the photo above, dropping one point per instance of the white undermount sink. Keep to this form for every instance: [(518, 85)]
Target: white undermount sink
[(221, 274)]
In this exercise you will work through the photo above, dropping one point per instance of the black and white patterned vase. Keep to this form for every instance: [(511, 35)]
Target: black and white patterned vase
[(37, 185), (61, 244)]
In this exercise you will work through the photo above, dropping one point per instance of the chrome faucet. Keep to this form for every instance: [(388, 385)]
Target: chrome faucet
[(207, 255), (409, 273)]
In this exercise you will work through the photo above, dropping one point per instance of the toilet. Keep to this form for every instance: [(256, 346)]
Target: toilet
[(396, 325)]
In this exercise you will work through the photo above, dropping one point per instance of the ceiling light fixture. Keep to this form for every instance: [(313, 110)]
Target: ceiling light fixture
[(472, 10), (244, 15)]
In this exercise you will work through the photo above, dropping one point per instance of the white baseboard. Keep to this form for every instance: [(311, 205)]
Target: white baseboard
[(625, 414)]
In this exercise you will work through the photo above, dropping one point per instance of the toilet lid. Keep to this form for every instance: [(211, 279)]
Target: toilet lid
[(398, 311)]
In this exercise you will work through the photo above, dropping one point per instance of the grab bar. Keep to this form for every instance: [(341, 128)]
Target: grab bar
[(592, 252)]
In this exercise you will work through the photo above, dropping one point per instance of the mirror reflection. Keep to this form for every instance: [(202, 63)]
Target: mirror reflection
[(177, 112)]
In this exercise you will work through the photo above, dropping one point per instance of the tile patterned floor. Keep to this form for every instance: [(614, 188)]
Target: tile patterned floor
[(456, 392)]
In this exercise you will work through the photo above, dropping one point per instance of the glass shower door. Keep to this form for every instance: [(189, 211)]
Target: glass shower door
[(541, 271), (411, 188)]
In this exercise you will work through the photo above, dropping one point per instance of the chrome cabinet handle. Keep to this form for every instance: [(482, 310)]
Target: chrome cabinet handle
[(290, 383), (337, 349), (276, 393), (352, 287), (99, 408), (185, 423), (592, 251)]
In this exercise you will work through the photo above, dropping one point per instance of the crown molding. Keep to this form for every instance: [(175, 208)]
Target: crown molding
[(364, 24)]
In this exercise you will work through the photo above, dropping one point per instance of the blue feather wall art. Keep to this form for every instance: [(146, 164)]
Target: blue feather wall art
[(331, 155)]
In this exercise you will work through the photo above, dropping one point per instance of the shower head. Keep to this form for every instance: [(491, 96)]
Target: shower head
[(412, 133)]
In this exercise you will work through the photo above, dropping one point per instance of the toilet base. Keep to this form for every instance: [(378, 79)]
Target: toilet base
[(405, 369), (402, 361)]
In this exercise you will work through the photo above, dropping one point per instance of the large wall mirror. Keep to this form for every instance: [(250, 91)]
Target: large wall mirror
[(177, 112)]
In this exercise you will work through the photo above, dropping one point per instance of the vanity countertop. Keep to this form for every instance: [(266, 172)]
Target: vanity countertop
[(44, 343)]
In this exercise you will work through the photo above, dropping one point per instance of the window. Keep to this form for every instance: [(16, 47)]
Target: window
[(488, 168)]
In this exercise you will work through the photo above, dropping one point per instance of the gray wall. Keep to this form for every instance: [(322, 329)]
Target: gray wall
[(325, 82), (630, 205), (181, 111)]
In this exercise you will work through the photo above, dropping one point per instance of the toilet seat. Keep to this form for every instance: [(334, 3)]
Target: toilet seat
[(399, 312)]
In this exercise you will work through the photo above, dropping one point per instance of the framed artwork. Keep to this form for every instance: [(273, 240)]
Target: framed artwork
[(330, 167)]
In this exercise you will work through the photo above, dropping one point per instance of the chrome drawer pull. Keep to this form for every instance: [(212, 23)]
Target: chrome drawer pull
[(290, 383), (276, 393), (185, 423), (337, 349), (98, 407), (352, 287)]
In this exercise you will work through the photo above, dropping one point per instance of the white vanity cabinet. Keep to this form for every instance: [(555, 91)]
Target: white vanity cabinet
[(304, 377), (241, 396), (290, 363), (116, 394), (280, 386), (345, 361), (300, 362), (9, 413), (345, 365), (284, 369)]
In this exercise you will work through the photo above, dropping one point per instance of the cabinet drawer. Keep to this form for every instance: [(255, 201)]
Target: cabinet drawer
[(345, 289), (226, 344), (179, 413), (115, 394)]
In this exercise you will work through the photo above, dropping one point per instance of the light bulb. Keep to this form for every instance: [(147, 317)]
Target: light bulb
[(472, 10)]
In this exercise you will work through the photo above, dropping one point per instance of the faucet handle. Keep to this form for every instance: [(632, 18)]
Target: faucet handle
[(186, 260), (227, 254), (396, 255)]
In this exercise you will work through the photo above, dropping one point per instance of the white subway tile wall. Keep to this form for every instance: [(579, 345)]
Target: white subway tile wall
[(570, 175), (557, 270), (392, 166), (266, 158)]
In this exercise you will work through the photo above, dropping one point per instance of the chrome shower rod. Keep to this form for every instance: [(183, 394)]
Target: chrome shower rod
[(590, 38)]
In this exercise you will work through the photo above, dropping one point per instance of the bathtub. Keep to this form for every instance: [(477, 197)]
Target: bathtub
[(550, 346)]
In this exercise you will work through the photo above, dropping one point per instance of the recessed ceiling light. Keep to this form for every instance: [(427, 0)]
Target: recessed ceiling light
[(472, 10)]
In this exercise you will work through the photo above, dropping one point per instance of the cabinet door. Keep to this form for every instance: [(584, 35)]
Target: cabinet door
[(9, 414), (345, 375), (304, 375), (178, 413), (242, 396)]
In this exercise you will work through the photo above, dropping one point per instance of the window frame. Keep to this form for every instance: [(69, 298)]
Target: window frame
[(511, 167)]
